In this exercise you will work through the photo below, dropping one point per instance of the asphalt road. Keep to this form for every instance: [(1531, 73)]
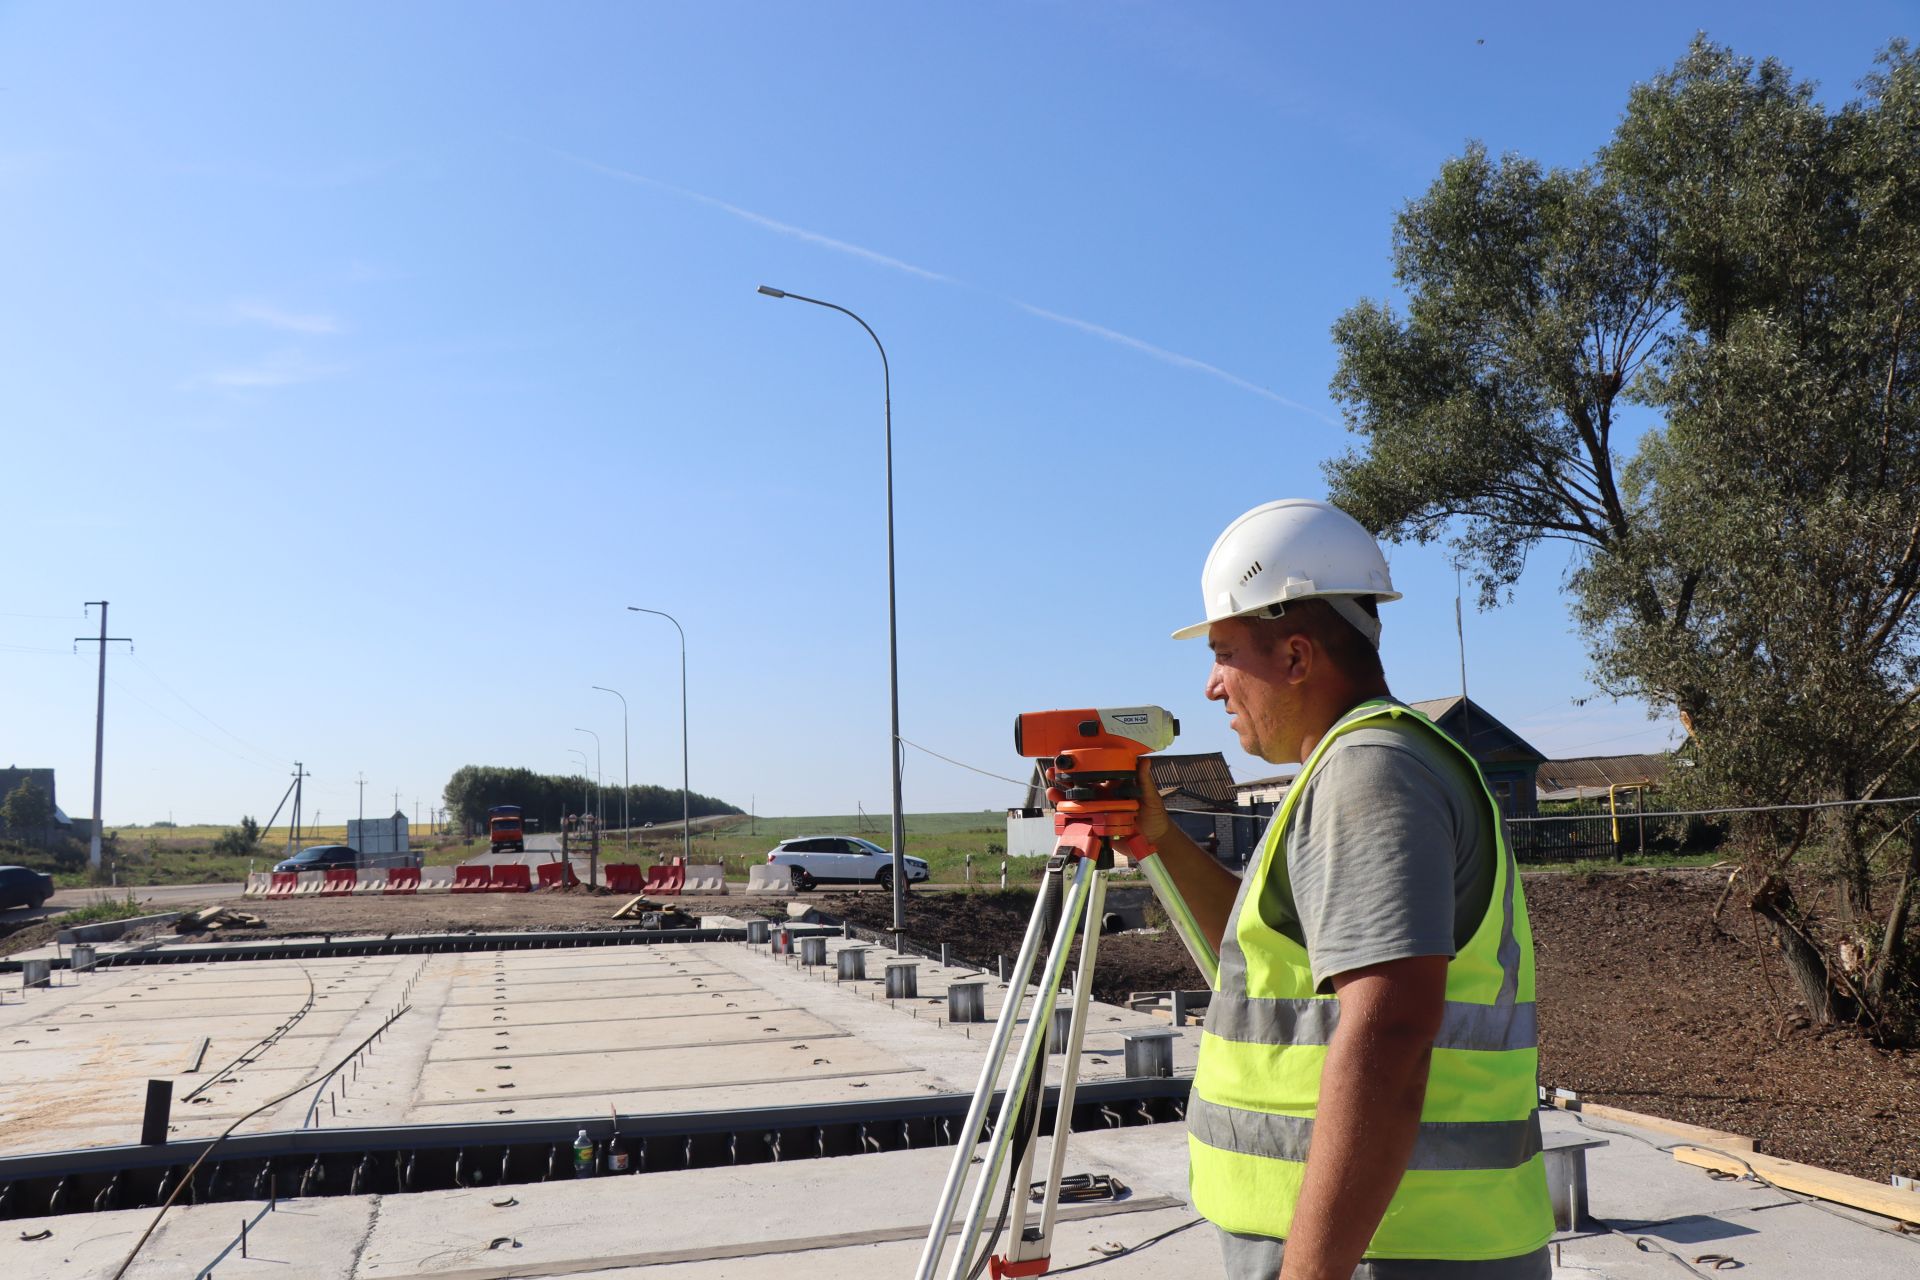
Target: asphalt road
[(160, 897)]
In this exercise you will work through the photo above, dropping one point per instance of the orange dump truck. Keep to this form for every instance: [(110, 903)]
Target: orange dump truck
[(506, 828)]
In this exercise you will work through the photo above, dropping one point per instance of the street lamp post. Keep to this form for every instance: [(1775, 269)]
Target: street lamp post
[(586, 765), (686, 825), (626, 774), (599, 791), (893, 639)]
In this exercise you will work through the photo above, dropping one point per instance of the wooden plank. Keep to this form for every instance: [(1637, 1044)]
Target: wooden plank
[(1660, 1124), (1824, 1184)]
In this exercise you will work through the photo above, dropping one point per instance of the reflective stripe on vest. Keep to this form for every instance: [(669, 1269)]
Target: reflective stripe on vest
[(1474, 1188)]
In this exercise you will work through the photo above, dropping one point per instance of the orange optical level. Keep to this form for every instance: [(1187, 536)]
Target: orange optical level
[(1090, 735), (1092, 755)]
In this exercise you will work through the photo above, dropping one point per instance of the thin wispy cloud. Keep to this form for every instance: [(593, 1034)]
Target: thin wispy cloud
[(1173, 358), (280, 369), (1144, 347), (761, 220), (271, 317)]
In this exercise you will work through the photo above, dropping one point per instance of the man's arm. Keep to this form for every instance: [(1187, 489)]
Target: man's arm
[(1208, 887), (1371, 1089)]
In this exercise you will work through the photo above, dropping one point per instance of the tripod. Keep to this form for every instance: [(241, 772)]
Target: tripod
[(1072, 897)]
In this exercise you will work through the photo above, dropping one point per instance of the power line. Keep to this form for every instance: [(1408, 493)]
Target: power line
[(158, 679), (961, 764), (189, 729), (1750, 808)]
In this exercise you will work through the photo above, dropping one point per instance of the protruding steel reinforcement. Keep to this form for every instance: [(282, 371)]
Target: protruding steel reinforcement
[(403, 1159)]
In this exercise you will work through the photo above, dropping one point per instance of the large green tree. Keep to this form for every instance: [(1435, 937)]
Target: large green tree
[(1693, 359), (26, 812)]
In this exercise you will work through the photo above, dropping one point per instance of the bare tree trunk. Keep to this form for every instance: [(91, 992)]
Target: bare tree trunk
[(1774, 900), (1856, 874), (1894, 940)]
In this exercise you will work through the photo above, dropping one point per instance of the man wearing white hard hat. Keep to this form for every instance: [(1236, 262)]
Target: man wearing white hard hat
[(1364, 1104)]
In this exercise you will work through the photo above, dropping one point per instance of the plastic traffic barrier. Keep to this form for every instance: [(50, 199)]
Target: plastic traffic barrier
[(283, 884), (511, 877), (402, 880), (664, 881), (257, 882), (311, 882), (555, 874), (623, 877), (339, 882), (373, 880), (704, 877), (468, 878), (768, 877), (435, 879)]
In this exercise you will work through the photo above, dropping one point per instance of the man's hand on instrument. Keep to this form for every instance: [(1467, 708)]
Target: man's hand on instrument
[(1152, 821)]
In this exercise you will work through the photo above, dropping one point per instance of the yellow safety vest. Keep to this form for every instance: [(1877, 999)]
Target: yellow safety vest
[(1475, 1187)]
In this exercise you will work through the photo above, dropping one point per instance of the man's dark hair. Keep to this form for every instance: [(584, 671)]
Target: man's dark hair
[(1342, 642)]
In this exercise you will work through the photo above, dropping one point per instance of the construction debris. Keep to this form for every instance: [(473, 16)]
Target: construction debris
[(214, 919), (654, 915)]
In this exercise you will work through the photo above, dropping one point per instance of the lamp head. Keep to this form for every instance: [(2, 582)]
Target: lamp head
[(772, 292)]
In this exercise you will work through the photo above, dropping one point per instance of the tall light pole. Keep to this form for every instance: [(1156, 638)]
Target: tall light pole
[(598, 793), (626, 775), (585, 767), (686, 826), (893, 637)]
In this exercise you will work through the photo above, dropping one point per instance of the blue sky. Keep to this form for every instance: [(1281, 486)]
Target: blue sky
[(371, 358)]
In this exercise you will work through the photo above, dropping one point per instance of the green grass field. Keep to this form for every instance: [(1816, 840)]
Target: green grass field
[(943, 839)]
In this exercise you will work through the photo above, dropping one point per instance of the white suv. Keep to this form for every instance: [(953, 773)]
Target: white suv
[(813, 860)]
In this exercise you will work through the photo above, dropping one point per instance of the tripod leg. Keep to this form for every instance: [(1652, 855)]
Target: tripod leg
[(1070, 1070), (1032, 1046), (989, 1075), (1204, 957)]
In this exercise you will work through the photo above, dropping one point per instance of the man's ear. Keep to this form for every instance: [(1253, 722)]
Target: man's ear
[(1295, 657)]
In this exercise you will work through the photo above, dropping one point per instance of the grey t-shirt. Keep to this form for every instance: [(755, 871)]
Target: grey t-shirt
[(1390, 854)]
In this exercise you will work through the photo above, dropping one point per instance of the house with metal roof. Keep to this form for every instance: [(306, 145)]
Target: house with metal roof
[(1508, 760), (1590, 777)]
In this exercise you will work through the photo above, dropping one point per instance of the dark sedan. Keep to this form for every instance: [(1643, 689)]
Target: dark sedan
[(321, 857), (21, 887)]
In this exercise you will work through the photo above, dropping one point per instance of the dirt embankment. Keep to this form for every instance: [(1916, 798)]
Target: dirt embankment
[(1644, 1004)]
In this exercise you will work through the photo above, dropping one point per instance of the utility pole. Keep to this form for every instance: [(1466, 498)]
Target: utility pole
[(361, 782), (99, 724), (300, 775)]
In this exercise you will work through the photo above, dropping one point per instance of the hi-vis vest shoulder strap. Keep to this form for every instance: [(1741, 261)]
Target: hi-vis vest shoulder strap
[(1475, 1188)]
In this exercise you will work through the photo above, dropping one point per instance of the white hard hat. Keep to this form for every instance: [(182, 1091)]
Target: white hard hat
[(1293, 549)]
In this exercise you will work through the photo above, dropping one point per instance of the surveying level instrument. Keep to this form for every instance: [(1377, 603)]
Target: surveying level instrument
[(1092, 768)]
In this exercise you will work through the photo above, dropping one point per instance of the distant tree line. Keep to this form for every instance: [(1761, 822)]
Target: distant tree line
[(474, 788)]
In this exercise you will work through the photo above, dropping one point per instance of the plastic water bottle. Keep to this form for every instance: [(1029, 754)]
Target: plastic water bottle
[(583, 1156)]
